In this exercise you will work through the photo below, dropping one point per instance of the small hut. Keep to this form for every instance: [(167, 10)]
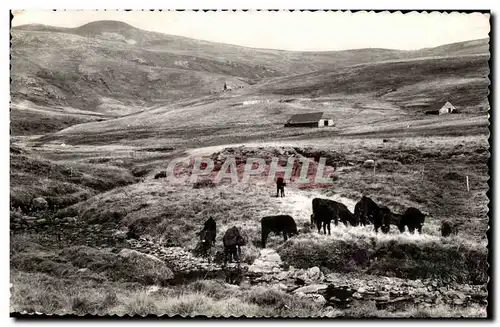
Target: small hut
[(439, 109), (311, 119), (447, 108)]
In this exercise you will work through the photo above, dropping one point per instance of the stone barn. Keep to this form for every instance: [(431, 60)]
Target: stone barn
[(311, 119), (447, 108)]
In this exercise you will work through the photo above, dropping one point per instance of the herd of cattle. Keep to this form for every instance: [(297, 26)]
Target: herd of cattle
[(324, 211), (366, 212)]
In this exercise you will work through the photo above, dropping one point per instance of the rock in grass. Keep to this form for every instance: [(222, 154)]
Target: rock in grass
[(129, 253), (311, 288), (40, 203)]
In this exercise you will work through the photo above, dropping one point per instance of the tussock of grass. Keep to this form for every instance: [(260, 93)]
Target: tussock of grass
[(281, 304), (369, 310), (43, 293), (443, 311), (390, 257), (62, 185), (102, 265), (188, 305)]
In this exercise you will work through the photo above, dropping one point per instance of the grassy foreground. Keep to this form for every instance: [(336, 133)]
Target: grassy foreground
[(38, 292)]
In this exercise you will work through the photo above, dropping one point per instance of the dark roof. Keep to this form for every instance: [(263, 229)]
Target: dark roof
[(305, 118)]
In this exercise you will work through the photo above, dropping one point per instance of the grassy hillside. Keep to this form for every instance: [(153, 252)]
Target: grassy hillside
[(415, 83), (362, 99), (107, 76), (61, 184), (115, 69), (104, 66), (27, 118)]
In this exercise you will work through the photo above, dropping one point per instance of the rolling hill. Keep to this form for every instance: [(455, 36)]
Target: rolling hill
[(110, 69), (379, 94), (409, 84)]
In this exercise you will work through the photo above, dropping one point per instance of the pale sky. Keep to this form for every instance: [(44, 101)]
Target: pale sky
[(306, 31)]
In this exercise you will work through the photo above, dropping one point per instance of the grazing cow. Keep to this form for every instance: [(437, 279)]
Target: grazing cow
[(207, 238), (280, 187), (205, 245), (161, 174), (395, 219), (324, 211), (232, 241), (211, 228), (358, 212), (366, 209), (383, 219), (413, 219), (278, 224)]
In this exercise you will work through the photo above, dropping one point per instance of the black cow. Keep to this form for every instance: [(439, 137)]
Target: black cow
[(413, 219), (359, 212), (161, 174), (366, 209), (207, 238), (280, 187), (395, 219), (232, 241), (368, 212), (204, 247), (278, 224), (383, 219), (324, 211), (210, 228)]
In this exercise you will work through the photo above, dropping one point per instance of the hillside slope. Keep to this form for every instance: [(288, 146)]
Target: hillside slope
[(112, 69), (105, 65), (379, 94), (409, 84)]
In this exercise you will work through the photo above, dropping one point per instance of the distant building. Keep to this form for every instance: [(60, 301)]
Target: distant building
[(444, 109), (312, 119), (447, 108)]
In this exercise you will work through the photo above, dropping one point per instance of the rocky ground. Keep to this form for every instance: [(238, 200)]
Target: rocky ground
[(333, 289)]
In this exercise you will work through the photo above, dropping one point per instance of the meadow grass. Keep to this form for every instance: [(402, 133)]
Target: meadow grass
[(39, 292)]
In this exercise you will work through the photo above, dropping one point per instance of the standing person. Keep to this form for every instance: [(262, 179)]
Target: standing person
[(280, 187)]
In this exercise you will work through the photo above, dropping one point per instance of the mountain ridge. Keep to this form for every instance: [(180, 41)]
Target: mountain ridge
[(95, 26), (115, 69)]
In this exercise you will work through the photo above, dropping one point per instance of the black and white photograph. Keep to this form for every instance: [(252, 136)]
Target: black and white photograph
[(250, 163)]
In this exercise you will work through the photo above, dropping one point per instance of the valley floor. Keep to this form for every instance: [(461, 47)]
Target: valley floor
[(71, 258)]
